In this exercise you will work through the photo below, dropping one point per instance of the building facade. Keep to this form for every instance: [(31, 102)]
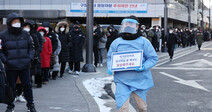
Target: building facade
[(150, 12)]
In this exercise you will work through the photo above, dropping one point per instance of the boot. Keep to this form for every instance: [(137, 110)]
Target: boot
[(31, 108)]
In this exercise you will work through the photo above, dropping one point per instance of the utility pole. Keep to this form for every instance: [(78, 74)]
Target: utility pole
[(89, 67), (189, 14), (209, 16), (165, 22), (202, 22), (165, 17)]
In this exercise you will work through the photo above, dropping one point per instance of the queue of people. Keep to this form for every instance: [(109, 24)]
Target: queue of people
[(28, 50)]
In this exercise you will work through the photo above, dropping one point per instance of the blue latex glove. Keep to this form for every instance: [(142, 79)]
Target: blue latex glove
[(140, 69), (109, 72)]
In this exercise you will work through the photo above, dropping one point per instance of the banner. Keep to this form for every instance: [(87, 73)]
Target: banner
[(122, 61), (111, 7)]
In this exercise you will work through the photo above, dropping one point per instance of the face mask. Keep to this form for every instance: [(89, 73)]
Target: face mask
[(62, 29), (27, 29), (41, 33), (94, 28), (170, 31), (110, 30), (16, 25), (76, 27), (156, 28), (47, 29)]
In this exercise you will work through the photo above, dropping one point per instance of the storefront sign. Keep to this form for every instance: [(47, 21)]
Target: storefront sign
[(111, 7)]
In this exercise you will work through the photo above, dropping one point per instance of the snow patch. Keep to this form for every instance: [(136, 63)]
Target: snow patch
[(95, 87)]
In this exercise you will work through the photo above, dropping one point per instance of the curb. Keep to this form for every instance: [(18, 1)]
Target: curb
[(93, 106)]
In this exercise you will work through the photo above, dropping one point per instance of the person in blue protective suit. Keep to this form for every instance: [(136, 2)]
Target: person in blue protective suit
[(136, 82)]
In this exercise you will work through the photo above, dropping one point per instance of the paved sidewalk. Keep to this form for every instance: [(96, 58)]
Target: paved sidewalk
[(62, 95)]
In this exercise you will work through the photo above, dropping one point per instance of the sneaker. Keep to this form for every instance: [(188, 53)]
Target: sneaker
[(101, 65), (97, 65), (31, 109), (61, 75), (39, 85), (170, 59), (45, 82), (10, 109), (68, 68), (15, 99), (77, 72), (70, 72), (20, 99)]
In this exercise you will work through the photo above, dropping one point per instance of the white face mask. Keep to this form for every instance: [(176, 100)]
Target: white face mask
[(170, 31), (62, 29), (41, 33), (94, 28), (16, 25), (27, 29), (47, 29)]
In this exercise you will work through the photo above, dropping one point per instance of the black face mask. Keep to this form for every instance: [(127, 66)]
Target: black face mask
[(76, 27), (15, 31), (127, 36)]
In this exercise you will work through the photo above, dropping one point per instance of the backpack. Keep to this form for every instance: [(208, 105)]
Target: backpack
[(6, 92)]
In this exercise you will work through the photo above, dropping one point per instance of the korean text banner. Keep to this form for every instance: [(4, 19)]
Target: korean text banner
[(129, 60), (111, 7)]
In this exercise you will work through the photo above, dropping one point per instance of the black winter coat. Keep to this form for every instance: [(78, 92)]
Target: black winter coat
[(171, 39), (51, 35), (110, 38), (76, 51), (185, 38), (96, 37), (17, 50), (65, 40), (54, 42), (39, 40)]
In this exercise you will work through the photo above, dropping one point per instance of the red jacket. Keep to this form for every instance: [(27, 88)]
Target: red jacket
[(46, 51)]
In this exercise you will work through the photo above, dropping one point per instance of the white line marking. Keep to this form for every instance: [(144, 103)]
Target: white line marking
[(206, 54), (162, 61), (181, 68), (192, 61), (191, 83), (176, 57)]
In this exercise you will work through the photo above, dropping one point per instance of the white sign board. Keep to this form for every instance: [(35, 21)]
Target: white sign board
[(122, 61), (111, 7)]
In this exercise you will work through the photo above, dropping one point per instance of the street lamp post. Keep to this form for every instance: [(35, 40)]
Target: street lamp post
[(165, 22), (209, 15), (189, 14), (89, 67), (165, 17), (202, 22)]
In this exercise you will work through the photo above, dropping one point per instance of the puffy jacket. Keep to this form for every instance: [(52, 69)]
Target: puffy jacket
[(46, 51), (65, 40), (17, 50), (51, 35), (111, 36), (102, 42), (96, 37), (76, 52)]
